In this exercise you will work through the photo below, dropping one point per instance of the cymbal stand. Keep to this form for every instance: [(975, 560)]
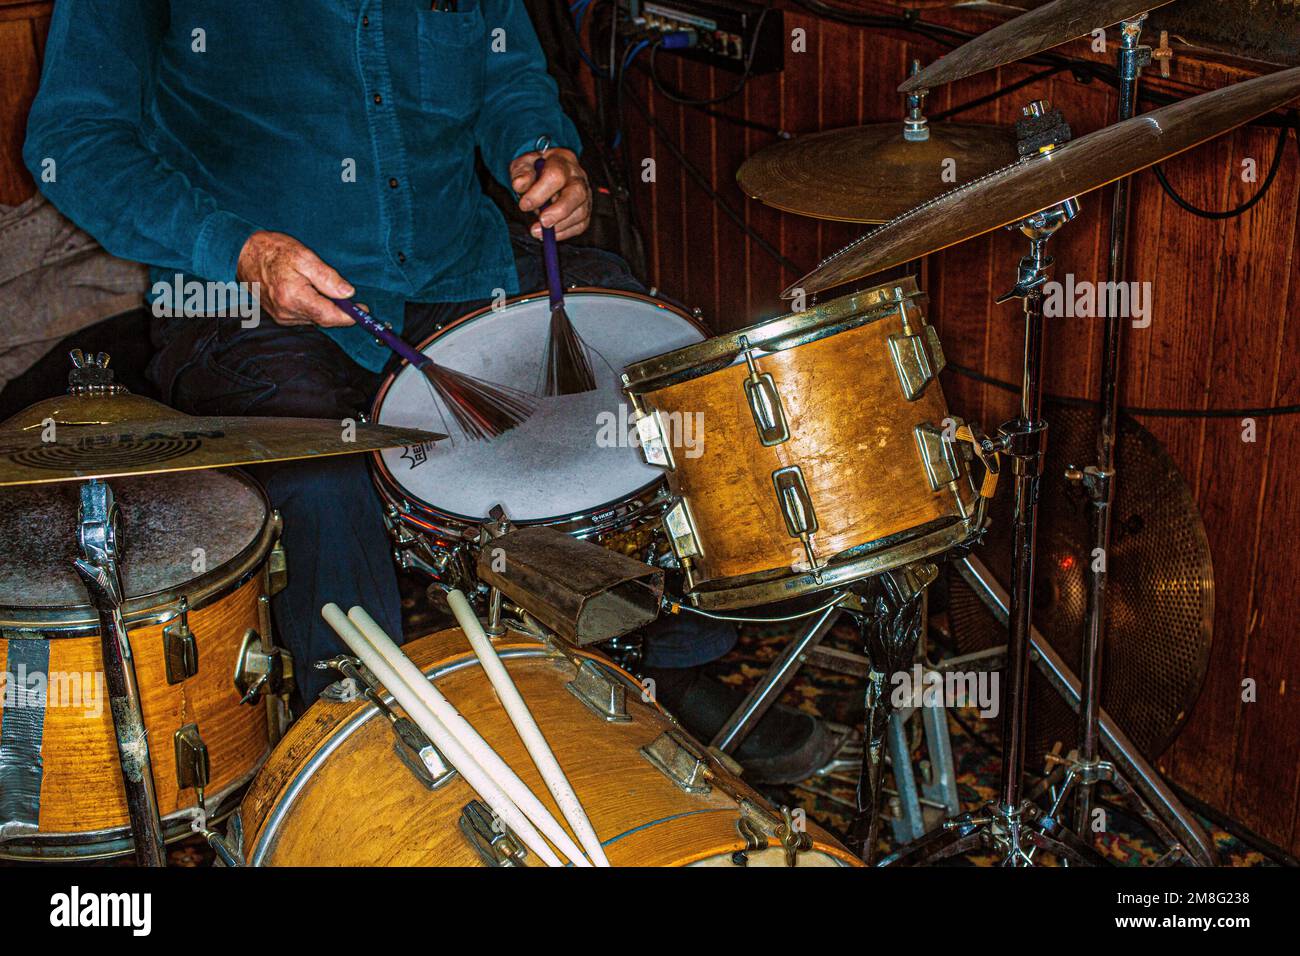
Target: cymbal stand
[(99, 569), (1012, 825)]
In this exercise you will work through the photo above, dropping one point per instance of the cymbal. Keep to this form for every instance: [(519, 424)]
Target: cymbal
[(1037, 182), (871, 173), (1049, 25), (77, 437)]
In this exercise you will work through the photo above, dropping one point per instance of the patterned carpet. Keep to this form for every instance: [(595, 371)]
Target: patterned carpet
[(975, 743)]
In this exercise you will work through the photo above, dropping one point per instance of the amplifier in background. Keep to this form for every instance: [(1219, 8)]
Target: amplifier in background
[(725, 32)]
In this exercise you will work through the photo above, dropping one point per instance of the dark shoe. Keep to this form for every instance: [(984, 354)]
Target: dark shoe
[(786, 745)]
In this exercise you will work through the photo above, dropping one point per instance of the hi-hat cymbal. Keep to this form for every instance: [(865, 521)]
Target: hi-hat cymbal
[(77, 437), (871, 173), (1033, 32), (1041, 181)]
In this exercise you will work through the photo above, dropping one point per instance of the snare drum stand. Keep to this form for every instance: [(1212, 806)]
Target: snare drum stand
[(1012, 825), (99, 568)]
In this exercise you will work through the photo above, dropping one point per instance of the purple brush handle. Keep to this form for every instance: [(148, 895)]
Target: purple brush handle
[(551, 254), (382, 332)]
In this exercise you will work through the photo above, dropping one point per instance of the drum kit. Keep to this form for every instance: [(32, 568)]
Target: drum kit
[(790, 463)]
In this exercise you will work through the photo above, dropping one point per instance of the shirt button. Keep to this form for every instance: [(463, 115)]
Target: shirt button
[(365, 21), (378, 99), (401, 257), (392, 183)]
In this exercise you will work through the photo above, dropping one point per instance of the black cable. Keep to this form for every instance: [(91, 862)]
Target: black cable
[(1266, 412), (1250, 203), (704, 183), (998, 94), (678, 97)]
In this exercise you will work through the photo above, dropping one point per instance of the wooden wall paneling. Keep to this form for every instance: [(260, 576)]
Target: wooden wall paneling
[(800, 95), (700, 213), (1267, 751), (1276, 578), (763, 276), (1180, 349), (22, 37), (839, 104), (668, 191), (732, 310)]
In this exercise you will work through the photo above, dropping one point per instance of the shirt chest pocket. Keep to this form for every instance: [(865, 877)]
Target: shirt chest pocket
[(453, 52)]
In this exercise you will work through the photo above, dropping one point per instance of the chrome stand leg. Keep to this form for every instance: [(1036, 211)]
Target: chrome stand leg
[(1186, 834), (751, 710), (99, 570)]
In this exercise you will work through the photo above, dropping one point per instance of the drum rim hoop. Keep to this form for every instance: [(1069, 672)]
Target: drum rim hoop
[(79, 620), (335, 737), (390, 486), (772, 335)]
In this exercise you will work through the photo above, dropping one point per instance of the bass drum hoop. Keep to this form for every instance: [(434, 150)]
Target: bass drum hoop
[(647, 502)]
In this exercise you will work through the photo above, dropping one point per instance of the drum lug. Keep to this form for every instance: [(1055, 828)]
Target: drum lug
[(681, 531), (764, 401), (494, 842), (180, 650), (602, 694), (654, 444), (260, 669), (193, 768), (938, 455), (412, 746), (918, 358), (277, 564), (797, 510), (676, 759)]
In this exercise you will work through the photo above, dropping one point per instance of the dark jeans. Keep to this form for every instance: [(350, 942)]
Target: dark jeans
[(334, 535)]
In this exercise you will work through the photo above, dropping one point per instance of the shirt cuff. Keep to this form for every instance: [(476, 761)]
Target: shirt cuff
[(221, 239)]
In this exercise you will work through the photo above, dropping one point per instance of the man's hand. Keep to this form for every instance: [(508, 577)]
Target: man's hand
[(561, 178), (294, 281)]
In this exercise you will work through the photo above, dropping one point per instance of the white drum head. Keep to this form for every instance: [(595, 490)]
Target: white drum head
[(574, 454)]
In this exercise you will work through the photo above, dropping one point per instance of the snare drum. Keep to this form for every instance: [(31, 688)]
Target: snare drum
[(828, 451), (342, 790), (197, 549), (573, 464)]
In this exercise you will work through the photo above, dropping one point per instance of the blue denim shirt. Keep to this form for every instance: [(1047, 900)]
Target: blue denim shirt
[(171, 130)]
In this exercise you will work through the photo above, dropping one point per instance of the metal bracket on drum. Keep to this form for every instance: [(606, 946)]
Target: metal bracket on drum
[(653, 438), (937, 455), (797, 510), (764, 401), (600, 692), (180, 650), (412, 746), (260, 669), (673, 756), (277, 564), (918, 358), (494, 842)]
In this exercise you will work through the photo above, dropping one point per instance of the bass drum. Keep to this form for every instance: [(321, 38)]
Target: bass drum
[(335, 792)]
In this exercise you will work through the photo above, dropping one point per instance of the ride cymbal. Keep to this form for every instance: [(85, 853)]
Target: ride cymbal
[(1033, 32), (872, 173), (1038, 182), (99, 435)]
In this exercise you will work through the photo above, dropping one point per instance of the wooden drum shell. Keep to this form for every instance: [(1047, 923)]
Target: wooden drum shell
[(851, 433), (334, 793)]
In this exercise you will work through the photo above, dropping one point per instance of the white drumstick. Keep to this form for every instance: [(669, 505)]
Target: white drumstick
[(460, 757), (529, 732), (469, 738)]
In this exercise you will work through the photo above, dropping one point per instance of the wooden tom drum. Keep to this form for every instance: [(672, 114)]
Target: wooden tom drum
[(821, 449)]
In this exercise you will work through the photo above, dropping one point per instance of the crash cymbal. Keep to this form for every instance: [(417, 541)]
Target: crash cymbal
[(1033, 32), (104, 435), (871, 173), (1037, 182)]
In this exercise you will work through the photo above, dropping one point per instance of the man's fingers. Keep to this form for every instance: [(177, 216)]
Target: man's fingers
[(569, 200), (301, 303), (522, 172), (575, 224), (320, 275), (550, 182)]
